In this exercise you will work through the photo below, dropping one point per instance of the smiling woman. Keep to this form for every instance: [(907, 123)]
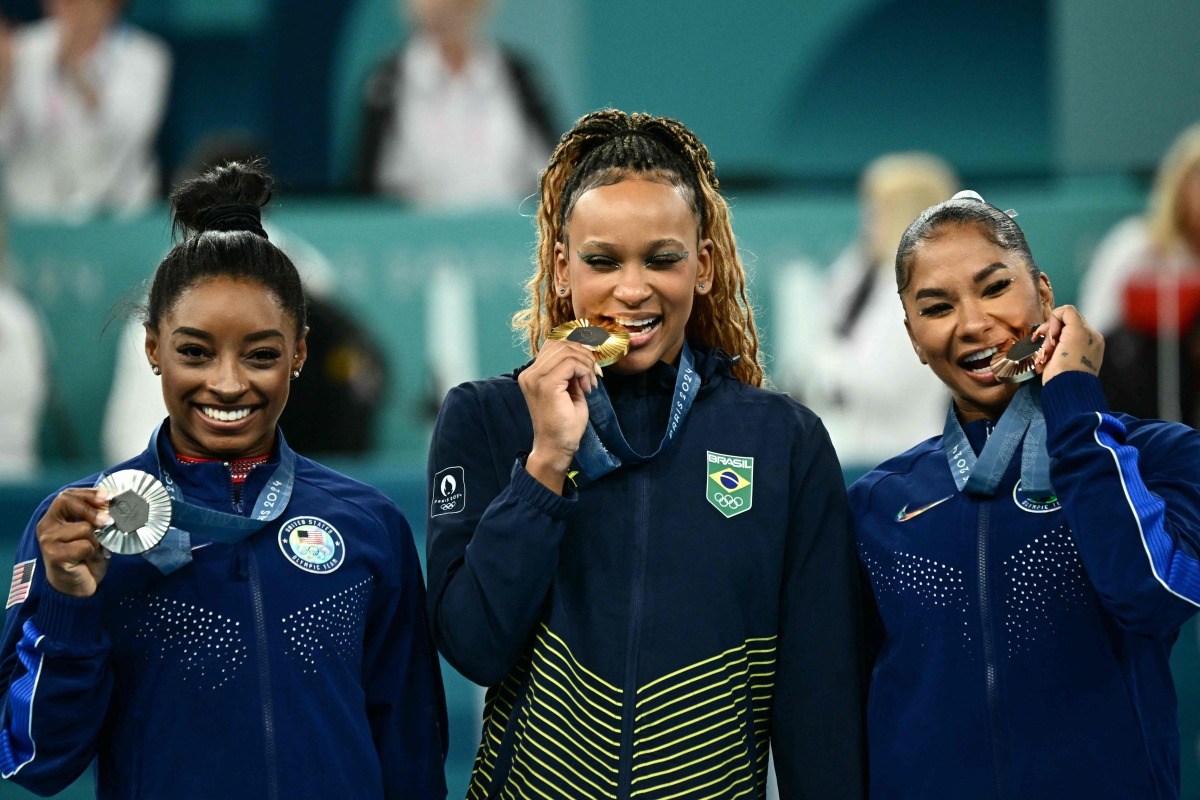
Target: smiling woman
[(280, 603), (1025, 604), (649, 566)]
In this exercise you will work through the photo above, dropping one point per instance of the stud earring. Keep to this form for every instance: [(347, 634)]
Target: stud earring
[(155, 369), (562, 290), (295, 374), (702, 287)]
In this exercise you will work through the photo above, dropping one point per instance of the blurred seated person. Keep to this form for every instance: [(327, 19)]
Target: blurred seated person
[(24, 366), (334, 406), (1164, 240), (1142, 292), (861, 378), (1152, 357), (453, 119), (82, 96)]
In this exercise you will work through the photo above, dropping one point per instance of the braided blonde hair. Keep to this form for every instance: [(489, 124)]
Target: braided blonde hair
[(605, 147)]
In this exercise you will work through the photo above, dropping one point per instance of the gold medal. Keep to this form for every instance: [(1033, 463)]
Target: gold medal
[(140, 509), (608, 340), (1015, 361)]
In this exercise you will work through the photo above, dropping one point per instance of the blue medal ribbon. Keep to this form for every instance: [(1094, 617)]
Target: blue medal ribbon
[(1022, 420), (604, 448), (175, 549)]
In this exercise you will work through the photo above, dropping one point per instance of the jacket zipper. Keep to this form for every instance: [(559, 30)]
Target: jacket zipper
[(264, 674), (989, 657), (636, 596), (245, 552)]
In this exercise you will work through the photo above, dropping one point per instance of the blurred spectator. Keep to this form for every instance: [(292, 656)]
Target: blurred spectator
[(1142, 292), (24, 367), (851, 366), (452, 120), (1166, 239), (82, 96)]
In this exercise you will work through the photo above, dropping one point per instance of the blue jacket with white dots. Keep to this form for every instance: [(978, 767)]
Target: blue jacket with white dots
[(1023, 642), (255, 671)]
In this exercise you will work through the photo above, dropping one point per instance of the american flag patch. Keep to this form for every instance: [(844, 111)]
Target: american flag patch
[(22, 579)]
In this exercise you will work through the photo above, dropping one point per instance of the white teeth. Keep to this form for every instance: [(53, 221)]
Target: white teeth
[(991, 351), (225, 416), (641, 323)]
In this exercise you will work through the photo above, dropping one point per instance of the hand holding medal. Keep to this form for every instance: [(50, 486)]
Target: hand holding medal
[(556, 385), (74, 560), (1071, 344)]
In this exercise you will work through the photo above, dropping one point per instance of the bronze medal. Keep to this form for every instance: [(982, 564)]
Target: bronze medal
[(1015, 361)]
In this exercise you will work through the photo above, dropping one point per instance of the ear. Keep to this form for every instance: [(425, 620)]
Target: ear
[(913, 340), (301, 350), (704, 267), (1046, 295), (561, 279), (151, 346)]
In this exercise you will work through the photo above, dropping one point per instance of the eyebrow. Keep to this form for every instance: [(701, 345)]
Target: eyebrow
[(596, 244), (979, 277), (257, 336)]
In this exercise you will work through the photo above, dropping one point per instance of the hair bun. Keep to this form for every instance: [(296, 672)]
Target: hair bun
[(967, 194), (229, 197)]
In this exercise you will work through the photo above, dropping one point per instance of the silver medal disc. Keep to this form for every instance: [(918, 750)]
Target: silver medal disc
[(140, 509)]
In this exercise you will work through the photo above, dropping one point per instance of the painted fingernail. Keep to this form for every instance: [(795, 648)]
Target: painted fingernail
[(103, 519)]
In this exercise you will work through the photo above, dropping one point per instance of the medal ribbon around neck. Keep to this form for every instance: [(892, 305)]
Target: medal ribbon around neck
[(175, 549), (1022, 420), (604, 448)]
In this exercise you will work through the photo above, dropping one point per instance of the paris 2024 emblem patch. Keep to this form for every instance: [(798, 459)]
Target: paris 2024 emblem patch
[(730, 484)]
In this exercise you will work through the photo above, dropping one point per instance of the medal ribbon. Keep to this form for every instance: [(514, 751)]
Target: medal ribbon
[(175, 549), (1022, 420), (603, 447)]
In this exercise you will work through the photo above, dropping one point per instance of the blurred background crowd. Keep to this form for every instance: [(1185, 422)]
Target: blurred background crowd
[(407, 136)]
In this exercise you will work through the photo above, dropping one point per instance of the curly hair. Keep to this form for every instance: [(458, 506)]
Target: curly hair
[(604, 148)]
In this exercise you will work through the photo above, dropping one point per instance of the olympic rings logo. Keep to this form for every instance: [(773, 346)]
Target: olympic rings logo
[(729, 501)]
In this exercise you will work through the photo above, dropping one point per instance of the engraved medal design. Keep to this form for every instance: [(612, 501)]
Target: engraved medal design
[(608, 340), (140, 509), (1015, 361)]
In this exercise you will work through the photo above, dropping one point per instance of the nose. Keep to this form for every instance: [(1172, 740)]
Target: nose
[(226, 380), (632, 289), (974, 321)]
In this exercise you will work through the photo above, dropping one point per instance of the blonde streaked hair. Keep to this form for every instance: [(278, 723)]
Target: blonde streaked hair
[(896, 188), (604, 148), (1163, 213)]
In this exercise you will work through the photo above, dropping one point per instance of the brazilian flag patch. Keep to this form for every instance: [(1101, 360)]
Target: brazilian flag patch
[(730, 484)]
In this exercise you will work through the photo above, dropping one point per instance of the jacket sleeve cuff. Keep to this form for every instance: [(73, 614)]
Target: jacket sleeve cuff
[(68, 620), (529, 489), (1070, 394)]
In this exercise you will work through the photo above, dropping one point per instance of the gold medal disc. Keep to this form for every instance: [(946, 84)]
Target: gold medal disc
[(140, 509), (608, 340)]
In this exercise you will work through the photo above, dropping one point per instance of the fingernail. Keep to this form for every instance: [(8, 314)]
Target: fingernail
[(103, 519), (599, 372), (107, 553), (103, 496)]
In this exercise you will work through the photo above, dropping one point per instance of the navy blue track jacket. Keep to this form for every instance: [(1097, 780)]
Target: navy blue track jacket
[(650, 634), (1025, 641), (244, 674)]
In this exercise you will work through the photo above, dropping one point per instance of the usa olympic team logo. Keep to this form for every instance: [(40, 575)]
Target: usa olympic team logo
[(312, 544)]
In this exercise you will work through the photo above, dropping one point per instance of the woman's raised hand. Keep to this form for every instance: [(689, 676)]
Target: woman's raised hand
[(1071, 344), (75, 562), (554, 386)]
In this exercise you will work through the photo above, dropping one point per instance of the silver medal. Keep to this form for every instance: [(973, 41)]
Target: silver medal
[(140, 509)]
